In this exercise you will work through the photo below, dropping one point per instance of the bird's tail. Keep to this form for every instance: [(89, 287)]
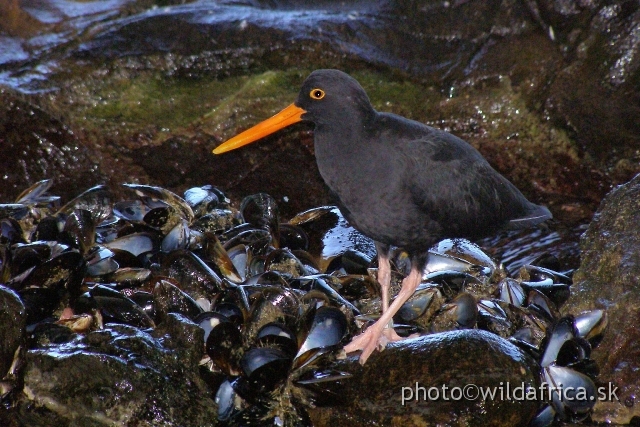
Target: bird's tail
[(536, 215)]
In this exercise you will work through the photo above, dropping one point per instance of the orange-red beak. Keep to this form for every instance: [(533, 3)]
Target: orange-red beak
[(290, 115)]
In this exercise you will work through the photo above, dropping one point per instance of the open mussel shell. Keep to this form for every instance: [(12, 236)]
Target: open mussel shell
[(265, 368), (36, 193), (573, 393), (326, 330), (223, 341)]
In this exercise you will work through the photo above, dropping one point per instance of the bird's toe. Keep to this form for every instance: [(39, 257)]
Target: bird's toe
[(370, 340)]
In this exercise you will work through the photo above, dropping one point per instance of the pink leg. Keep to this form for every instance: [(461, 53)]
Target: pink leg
[(384, 278), (378, 334)]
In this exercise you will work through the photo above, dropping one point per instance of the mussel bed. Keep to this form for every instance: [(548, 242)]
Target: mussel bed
[(276, 300)]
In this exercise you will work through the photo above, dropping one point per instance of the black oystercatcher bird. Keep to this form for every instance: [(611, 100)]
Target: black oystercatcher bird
[(398, 181)]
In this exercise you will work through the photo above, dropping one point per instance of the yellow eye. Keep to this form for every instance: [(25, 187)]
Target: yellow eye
[(316, 94)]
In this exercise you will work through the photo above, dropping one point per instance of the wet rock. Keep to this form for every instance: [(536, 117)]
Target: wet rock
[(609, 278), (13, 319), (373, 395), (119, 375), (36, 145)]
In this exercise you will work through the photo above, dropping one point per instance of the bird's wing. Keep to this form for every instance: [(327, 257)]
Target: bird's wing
[(456, 187)]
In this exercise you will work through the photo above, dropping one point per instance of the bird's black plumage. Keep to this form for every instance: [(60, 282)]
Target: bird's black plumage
[(401, 182), (398, 181)]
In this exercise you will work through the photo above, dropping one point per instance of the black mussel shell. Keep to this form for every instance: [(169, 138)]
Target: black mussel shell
[(10, 232), (79, 231), (135, 243), (39, 303), (591, 325), (573, 394), (277, 335), (169, 298), (261, 210), (563, 331), (556, 292), (223, 343), (193, 274), (231, 311), (47, 229), (326, 330), (65, 270), (96, 200), (541, 304), (146, 302), (117, 308), (130, 210), (265, 368), (100, 262), (228, 401), (293, 237), (424, 303), (153, 194), (511, 292)]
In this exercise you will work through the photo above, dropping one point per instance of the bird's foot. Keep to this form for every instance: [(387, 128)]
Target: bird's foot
[(376, 336)]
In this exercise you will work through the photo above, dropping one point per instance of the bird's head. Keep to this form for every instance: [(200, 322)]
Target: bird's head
[(326, 97)]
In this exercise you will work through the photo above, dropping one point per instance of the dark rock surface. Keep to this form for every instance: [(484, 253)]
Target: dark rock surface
[(609, 278), (13, 320), (374, 395), (145, 378)]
